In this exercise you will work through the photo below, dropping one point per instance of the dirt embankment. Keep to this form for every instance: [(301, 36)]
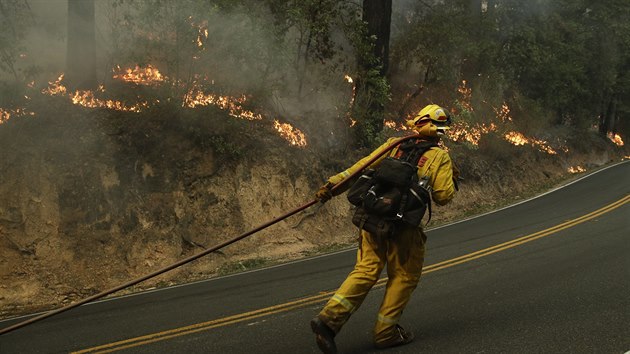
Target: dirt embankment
[(90, 200)]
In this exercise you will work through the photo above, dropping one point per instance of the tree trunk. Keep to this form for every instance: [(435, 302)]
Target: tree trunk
[(378, 16), (81, 54), (471, 65), (610, 118), (369, 107)]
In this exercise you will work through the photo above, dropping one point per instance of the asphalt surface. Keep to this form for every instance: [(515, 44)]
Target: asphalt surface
[(550, 275)]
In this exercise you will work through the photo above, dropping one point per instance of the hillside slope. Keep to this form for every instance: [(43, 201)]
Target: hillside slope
[(90, 199)]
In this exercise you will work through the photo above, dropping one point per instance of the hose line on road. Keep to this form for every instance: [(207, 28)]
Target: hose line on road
[(325, 295), (206, 252)]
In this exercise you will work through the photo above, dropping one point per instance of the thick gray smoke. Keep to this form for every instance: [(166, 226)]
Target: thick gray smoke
[(44, 42), (239, 54)]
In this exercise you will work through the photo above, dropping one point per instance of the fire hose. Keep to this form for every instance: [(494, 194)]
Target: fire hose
[(204, 253)]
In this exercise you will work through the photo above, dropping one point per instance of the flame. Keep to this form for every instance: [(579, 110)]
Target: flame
[(151, 76), (615, 138), (466, 93), (394, 125), (195, 97), (202, 31), (349, 79), (518, 139), (293, 135), (576, 169), (6, 114), (139, 76), (390, 124), (354, 89), (201, 36), (55, 88), (463, 131), (503, 113), (87, 99)]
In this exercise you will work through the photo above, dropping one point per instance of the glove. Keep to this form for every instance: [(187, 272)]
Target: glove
[(324, 193)]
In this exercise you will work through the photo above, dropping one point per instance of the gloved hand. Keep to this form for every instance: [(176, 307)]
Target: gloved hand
[(325, 192)]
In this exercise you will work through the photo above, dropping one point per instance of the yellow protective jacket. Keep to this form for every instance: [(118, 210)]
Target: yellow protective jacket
[(436, 163)]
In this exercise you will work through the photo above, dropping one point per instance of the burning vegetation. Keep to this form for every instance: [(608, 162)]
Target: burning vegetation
[(615, 138), (139, 76), (159, 152), (88, 99), (195, 96), (291, 134), (151, 76), (576, 169), (501, 122), (6, 114)]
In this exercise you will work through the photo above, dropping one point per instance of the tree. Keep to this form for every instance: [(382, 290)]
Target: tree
[(15, 17), (377, 15), (372, 88), (81, 54), (313, 21), (610, 62)]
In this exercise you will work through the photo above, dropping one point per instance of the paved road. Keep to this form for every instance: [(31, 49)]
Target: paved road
[(551, 275)]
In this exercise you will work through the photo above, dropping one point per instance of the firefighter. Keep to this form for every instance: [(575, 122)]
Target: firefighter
[(403, 253)]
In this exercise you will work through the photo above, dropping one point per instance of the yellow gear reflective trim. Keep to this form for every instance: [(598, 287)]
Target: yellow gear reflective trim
[(339, 177), (344, 302), (387, 320)]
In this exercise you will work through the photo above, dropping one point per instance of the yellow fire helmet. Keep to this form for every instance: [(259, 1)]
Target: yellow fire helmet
[(434, 114)]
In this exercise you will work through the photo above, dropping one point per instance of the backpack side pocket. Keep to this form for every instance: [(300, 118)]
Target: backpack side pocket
[(359, 189)]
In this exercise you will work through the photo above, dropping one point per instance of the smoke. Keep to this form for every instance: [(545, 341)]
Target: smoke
[(43, 48), (233, 50)]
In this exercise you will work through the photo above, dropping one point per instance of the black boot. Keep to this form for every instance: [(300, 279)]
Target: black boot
[(324, 336), (401, 337)]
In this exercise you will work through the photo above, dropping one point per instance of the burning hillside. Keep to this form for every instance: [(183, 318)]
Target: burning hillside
[(196, 95), (151, 77), (149, 184), (204, 119), (501, 123)]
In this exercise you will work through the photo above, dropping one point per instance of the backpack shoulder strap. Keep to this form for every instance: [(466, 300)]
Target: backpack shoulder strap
[(411, 151)]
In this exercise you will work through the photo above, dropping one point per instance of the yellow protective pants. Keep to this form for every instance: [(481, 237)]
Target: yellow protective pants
[(404, 255)]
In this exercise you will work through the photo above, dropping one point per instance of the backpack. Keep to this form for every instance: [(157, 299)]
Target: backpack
[(392, 196)]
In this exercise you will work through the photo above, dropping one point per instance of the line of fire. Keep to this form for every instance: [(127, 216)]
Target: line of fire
[(195, 96)]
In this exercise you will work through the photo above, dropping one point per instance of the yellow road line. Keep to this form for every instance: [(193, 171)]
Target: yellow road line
[(312, 300), (519, 241)]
